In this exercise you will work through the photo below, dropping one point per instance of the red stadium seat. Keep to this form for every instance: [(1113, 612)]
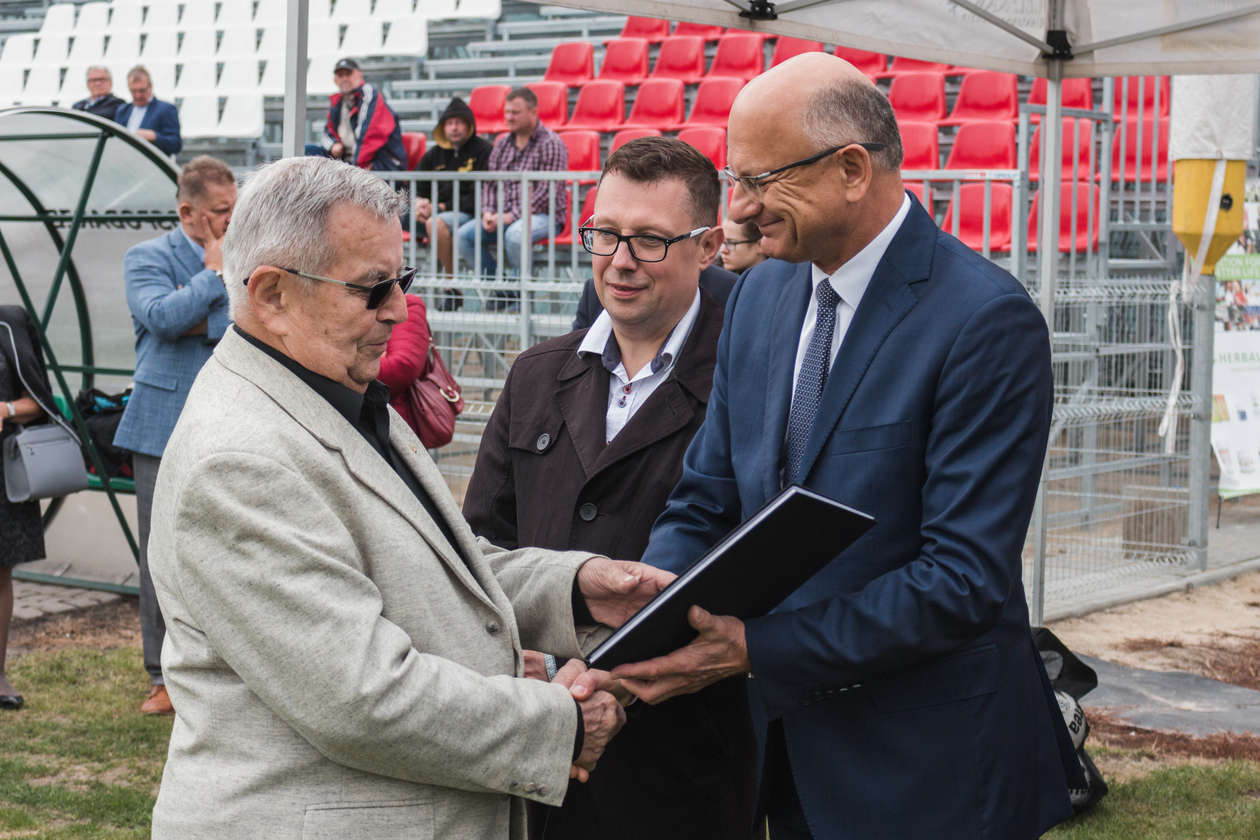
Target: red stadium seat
[(652, 29), (601, 106), (1138, 93), (985, 95), (1152, 144), (624, 136), (983, 144), (787, 47), (487, 103), (712, 103), (657, 104), (1073, 93), (918, 97), (920, 191), (700, 30), (588, 209), (739, 56), (572, 63), (1076, 136), (1078, 227), (553, 102), (870, 63), (709, 139), (583, 149), (413, 142), (920, 146), (681, 58), (625, 60), (901, 64), (971, 219)]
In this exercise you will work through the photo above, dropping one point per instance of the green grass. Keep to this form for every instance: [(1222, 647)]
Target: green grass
[(79, 761)]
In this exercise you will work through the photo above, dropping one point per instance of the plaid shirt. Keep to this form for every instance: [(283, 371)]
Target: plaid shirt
[(545, 152)]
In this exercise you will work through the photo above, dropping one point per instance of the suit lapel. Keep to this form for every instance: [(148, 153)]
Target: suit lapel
[(785, 335), (582, 397), (184, 254), (887, 300)]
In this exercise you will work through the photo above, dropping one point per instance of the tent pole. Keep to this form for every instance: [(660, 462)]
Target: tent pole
[(295, 78), (1048, 224)]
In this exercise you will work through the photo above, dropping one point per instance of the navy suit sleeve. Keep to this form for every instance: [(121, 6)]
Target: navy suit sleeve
[(165, 310), (704, 506), (490, 500), (166, 127), (588, 308), (984, 450)]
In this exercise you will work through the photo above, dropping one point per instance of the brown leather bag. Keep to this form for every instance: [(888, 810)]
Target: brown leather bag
[(435, 400)]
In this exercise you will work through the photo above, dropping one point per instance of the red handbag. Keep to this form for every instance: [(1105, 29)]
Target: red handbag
[(435, 401)]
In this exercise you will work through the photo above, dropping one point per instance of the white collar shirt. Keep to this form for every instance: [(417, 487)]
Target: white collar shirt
[(625, 393), (197, 249), (136, 117), (849, 281)]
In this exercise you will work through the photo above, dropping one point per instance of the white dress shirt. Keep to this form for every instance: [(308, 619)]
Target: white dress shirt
[(626, 393), (137, 117), (849, 281)]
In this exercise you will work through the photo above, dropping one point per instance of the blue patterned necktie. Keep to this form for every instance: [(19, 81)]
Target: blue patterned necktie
[(812, 380)]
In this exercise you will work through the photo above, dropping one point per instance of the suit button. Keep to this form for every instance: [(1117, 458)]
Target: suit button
[(542, 790), (514, 785), (543, 441), (588, 511), (531, 788), (492, 627)]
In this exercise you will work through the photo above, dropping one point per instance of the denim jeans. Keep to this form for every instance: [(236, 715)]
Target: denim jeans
[(466, 242)]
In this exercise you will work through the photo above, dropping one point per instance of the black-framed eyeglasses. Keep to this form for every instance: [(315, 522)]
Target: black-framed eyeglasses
[(756, 184), (730, 243), (644, 247), (376, 293)]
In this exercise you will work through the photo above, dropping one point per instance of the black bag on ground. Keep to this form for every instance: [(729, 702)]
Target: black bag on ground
[(1071, 680), (102, 413)]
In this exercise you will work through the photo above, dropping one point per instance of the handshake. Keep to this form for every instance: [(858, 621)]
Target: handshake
[(614, 591)]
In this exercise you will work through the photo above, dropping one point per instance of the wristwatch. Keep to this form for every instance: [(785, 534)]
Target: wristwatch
[(12, 409)]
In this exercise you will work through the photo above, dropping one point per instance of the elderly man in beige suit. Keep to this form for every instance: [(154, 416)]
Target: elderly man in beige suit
[(344, 657)]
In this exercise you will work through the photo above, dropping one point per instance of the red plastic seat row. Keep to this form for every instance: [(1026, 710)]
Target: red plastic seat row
[(413, 143), (739, 55), (1078, 217), (659, 104)]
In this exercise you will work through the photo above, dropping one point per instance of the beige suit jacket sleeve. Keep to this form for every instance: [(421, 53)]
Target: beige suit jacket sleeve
[(289, 612)]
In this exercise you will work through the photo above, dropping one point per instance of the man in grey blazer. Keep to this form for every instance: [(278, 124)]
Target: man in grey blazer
[(179, 311), (344, 657)]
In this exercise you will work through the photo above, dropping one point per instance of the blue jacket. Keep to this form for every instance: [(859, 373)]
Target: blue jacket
[(912, 701), (169, 292), (161, 118)]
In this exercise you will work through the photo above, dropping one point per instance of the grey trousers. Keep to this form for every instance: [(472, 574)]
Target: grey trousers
[(152, 627)]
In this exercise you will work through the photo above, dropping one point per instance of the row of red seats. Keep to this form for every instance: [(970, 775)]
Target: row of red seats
[(1078, 216)]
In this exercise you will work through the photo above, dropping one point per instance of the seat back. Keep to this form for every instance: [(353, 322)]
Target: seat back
[(197, 78), (1078, 217), (1077, 148), (572, 63), (1142, 141), (658, 104), (971, 216), (739, 56), (901, 64), (239, 77), (414, 143), (709, 139), (1135, 96), (985, 95), (712, 104), (1073, 93), (652, 29), (983, 144), (920, 145), (565, 237), (626, 60), (787, 47), (242, 116), (624, 136), (487, 103), (199, 116), (870, 63), (918, 96), (553, 102), (363, 36), (601, 106), (700, 30), (238, 42), (583, 149), (681, 58)]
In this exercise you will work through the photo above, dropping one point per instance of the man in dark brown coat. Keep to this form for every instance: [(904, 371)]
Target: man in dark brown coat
[(581, 452)]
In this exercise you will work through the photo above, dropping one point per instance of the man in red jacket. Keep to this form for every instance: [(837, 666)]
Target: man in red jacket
[(361, 129)]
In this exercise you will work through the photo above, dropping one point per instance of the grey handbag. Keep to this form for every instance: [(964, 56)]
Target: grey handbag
[(45, 461)]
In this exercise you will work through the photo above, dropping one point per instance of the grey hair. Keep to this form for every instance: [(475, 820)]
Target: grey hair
[(92, 67), (139, 70), (853, 111), (281, 217)]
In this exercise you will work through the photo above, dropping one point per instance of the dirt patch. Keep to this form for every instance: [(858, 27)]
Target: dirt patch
[(104, 626), (1223, 746), (81, 777)]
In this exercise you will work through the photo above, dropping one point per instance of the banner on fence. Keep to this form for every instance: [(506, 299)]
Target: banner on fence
[(1236, 411)]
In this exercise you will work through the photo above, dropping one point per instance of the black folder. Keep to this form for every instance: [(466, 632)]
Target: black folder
[(749, 573)]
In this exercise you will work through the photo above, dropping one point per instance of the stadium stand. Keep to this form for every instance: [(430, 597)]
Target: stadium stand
[(625, 60), (739, 56), (971, 216), (1073, 93), (985, 95), (651, 29), (983, 144), (712, 102), (709, 139), (785, 47), (919, 97), (920, 145), (870, 63), (414, 142), (601, 106), (565, 237), (1135, 93), (1078, 145), (901, 64), (625, 135), (657, 104), (1132, 135), (583, 149), (572, 63), (487, 103), (553, 102), (1078, 217), (700, 30), (681, 58)]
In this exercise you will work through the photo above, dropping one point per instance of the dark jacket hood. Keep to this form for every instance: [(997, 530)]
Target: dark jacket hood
[(457, 108)]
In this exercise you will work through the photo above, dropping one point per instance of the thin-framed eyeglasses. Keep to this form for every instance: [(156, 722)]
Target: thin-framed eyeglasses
[(755, 185), (644, 247), (727, 244), (376, 293)]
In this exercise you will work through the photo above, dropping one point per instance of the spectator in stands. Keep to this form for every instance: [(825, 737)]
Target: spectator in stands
[(456, 148), (741, 248), (622, 401), (529, 146), (100, 99), (147, 116), (179, 309), (362, 129)]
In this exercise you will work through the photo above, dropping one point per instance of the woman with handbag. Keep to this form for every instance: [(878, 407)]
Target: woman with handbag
[(21, 529), (420, 388)]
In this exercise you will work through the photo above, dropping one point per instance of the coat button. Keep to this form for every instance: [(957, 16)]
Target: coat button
[(531, 788), (514, 785), (492, 627), (544, 440), (542, 790), (588, 511)]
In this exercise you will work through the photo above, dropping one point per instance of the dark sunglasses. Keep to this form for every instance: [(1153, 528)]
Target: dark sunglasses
[(376, 293)]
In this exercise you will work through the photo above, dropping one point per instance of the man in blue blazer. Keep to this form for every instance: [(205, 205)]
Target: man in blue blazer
[(179, 309), (149, 117), (897, 694)]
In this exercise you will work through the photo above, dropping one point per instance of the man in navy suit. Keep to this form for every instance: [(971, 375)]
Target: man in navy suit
[(897, 693), (147, 116), (179, 309)]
